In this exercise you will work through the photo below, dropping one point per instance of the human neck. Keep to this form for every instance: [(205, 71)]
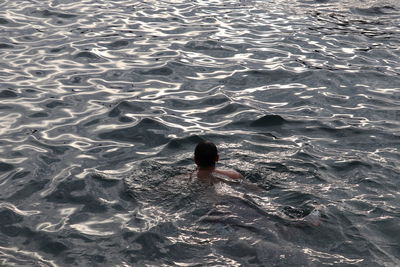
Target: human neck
[(206, 169)]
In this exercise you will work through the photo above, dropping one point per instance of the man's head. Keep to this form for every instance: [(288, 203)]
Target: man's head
[(206, 154)]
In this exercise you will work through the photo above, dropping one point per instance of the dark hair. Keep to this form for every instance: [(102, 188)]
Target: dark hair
[(205, 154)]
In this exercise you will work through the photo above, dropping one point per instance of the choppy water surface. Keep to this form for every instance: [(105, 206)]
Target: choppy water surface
[(102, 103)]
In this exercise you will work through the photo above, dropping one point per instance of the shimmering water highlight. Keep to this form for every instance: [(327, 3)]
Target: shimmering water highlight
[(102, 103)]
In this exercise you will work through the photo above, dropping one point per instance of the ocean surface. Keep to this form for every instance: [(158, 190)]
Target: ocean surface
[(102, 103)]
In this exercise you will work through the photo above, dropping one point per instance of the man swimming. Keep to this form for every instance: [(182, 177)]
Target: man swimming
[(205, 157)]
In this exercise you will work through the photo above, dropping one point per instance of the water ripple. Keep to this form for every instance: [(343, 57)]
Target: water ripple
[(102, 103)]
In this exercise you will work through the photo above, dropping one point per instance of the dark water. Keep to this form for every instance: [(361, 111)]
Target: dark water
[(102, 103)]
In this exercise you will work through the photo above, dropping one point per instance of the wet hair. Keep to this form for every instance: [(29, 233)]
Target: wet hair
[(205, 154)]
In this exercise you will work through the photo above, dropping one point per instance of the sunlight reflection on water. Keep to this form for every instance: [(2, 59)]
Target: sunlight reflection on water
[(102, 103)]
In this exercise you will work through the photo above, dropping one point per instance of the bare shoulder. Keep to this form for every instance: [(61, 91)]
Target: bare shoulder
[(230, 173)]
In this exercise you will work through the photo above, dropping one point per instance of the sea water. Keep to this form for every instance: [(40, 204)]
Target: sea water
[(102, 103)]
